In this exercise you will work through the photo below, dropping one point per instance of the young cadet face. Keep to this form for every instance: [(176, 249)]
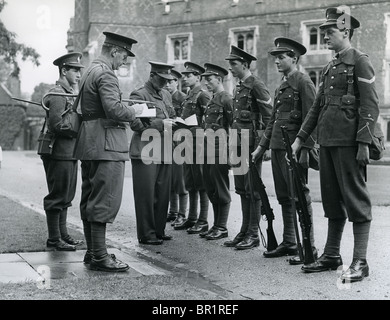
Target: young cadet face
[(72, 75), (171, 86), (237, 68), (284, 63), (190, 79), (335, 38), (212, 82)]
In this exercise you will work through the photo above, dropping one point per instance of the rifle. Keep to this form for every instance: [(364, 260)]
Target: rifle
[(257, 189), (301, 204)]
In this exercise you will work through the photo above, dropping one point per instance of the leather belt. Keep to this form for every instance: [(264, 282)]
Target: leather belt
[(93, 116)]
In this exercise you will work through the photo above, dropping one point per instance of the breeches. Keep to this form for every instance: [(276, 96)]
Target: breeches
[(101, 190), (216, 181), (61, 178), (280, 175), (343, 189)]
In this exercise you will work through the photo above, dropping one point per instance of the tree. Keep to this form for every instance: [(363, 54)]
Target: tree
[(10, 49), (40, 90)]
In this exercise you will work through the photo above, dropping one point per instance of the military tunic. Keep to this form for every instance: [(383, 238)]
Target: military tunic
[(251, 106), (218, 118), (292, 102), (343, 120), (151, 180), (61, 166), (102, 143), (194, 103)]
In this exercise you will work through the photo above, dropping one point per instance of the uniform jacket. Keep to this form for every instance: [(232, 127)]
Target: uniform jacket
[(177, 99), (218, 115), (344, 120), (251, 104), (63, 145), (102, 134), (164, 110), (195, 103), (290, 114)]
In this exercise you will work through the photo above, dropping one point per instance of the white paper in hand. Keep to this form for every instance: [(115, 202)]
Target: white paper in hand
[(146, 112)]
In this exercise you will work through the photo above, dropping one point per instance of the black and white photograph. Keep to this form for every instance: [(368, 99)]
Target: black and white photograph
[(195, 158)]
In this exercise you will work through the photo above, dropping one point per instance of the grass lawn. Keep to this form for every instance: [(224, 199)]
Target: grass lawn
[(23, 230)]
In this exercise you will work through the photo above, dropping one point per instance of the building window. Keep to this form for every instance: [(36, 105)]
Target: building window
[(179, 47), (244, 38), (315, 76), (313, 36)]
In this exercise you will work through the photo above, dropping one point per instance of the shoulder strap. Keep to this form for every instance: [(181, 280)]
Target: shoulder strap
[(296, 99), (350, 80)]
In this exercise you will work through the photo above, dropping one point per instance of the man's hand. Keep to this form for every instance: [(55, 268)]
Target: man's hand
[(363, 154), (304, 158), (257, 154), (296, 146), (139, 108)]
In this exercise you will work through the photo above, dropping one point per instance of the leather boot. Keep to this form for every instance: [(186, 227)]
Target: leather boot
[(357, 271), (237, 239), (249, 242)]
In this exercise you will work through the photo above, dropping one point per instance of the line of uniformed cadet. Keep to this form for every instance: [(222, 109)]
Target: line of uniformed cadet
[(344, 111)]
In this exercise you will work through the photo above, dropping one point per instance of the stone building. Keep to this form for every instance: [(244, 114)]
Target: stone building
[(202, 31)]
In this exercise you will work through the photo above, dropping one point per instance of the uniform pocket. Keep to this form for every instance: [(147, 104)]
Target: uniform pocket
[(295, 117), (348, 106), (116, 139)]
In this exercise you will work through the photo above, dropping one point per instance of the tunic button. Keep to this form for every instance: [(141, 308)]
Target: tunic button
[(278, 101), (236, 100), (332, 77), (331, 87), (334, 67)]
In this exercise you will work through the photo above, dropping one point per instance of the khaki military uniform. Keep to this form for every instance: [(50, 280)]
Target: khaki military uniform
[(102, 143), (61, 166), (344, 120), (151, 182)]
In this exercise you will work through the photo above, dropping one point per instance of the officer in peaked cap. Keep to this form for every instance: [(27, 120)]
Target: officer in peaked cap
[(102, 161), (293, 99), (283, 45), (218, 117), (61, 166), (162, 69), (348, 104), (251, 110), (71, 60), (194, 103), (340, 18), (239, 54), (152, 173), (120, 41)]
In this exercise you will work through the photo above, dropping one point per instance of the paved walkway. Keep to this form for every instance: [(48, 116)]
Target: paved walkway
[(37, 266)]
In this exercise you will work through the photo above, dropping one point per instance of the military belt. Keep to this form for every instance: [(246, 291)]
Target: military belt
[(93, 116)]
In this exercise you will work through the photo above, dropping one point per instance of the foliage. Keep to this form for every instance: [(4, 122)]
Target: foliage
[(10, 50), (40, 90), (11, 123)]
